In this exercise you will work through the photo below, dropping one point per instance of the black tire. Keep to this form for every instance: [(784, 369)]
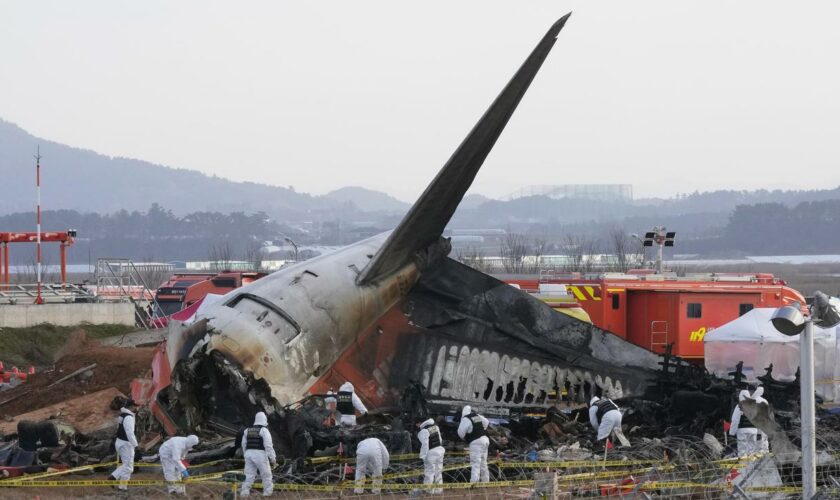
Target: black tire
[(27, 435), (48, 434)]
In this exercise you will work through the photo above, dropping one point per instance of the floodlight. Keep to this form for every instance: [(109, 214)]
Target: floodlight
[(669, 243), (825, 310), (788, 320), (648, 243), (671, 235), (649, 235)]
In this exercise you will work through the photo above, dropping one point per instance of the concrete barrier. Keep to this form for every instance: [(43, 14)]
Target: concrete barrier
[(24, 315)]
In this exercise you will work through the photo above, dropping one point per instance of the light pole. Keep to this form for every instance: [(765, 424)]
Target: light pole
[(294, 245), (790, 321), (662, 238), (641, 246)]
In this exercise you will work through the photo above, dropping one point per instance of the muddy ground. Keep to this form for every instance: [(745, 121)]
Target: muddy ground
[(115, 367)]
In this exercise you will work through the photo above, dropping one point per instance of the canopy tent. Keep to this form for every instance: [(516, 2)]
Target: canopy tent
[(753, 340)]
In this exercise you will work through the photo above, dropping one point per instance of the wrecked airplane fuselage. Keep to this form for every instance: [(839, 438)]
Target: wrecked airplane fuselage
[(289, 327), (394, 308)]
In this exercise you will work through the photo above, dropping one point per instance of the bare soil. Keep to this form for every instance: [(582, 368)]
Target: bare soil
[(115, 367)]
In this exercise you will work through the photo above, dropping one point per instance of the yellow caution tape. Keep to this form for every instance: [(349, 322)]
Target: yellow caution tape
[(393, 458), (649, 485), (73, 470)]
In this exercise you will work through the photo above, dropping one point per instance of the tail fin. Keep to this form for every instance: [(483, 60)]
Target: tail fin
[(425, 221)]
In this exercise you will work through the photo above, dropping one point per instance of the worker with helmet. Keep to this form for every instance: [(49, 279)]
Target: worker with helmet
[(258, 450), (751, 440), (347, 402), (172, 454), (473, 430), (605, 417), (125, 443), (431, 453)]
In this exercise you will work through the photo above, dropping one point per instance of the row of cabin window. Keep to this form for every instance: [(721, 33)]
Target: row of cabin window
[(693, 310)]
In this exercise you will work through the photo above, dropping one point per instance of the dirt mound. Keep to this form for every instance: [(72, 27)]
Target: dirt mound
[(115, 367), (76, 341)]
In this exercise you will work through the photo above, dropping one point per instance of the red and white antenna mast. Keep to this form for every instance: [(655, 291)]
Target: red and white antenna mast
[(38, 299)]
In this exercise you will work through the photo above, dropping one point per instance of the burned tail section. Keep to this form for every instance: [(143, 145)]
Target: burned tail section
[(468, 338), (424, 223)]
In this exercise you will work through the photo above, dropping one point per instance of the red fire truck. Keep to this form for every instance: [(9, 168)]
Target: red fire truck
[(184, 289), (654, 310)]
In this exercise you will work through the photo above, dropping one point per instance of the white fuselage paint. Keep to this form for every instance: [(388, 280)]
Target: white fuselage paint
[(322, 296)]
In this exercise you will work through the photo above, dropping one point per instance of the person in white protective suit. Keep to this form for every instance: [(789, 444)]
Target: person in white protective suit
[(431, 453), (371, 457), (330, 403), (750, 439), (258, 450), (473, 430), (125, 444), (605, 417), (172, 453), (347, 402)]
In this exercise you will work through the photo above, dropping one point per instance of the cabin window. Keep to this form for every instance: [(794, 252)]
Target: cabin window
[(695, 310), (744, 309), (616, 301), (224, 282), (271, 319)]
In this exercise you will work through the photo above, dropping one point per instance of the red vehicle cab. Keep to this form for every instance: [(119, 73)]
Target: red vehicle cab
[(184, 289), (654, 310)]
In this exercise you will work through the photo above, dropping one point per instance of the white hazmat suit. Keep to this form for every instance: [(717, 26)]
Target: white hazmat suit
[(347, 408), (371, 457), (172, 452), (258, 452), (432, 457), (125, 447), (609, 422), (478, 446), (751, 440)]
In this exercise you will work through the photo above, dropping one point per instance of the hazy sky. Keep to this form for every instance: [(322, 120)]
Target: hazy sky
[(668, 96)]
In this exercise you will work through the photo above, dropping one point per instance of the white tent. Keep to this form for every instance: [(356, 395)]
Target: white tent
[(753, 340)]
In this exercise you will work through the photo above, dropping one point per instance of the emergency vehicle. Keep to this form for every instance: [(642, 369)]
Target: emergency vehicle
[(185, 289), (654, 310)]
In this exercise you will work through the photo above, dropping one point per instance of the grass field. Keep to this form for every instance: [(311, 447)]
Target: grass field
[(37, 345)]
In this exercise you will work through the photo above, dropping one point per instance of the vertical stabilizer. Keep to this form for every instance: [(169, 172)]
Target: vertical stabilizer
[(425, 221)]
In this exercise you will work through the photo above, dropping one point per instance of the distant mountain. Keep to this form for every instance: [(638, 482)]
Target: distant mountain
[(84, 180), (471, 201), (368, 200)]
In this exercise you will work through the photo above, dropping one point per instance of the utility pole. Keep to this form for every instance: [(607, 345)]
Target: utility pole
[(807, 411), (789, 320), (38, 299), (294, 245)]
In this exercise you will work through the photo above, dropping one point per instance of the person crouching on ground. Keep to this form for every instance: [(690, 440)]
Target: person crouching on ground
[(371, 456), (172, 454)]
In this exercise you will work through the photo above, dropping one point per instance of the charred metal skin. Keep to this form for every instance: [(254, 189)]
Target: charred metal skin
[(485, 342), (291, 326)]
